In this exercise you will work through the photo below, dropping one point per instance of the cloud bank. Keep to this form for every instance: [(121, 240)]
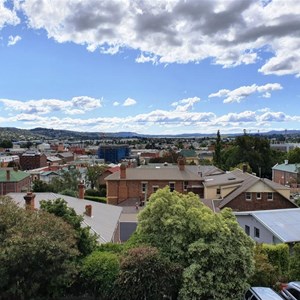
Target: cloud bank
[(230, 33)]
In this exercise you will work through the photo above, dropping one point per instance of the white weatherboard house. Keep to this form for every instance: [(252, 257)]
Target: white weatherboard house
[(103, 218), (271, 226)]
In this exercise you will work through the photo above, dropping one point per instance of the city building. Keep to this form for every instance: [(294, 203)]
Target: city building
[(32, 160), (113, 153)]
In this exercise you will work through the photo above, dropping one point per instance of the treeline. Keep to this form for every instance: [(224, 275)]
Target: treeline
[(254, 151), (181, 250)]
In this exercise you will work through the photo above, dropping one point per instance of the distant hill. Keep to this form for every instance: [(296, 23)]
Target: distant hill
[(46, 133)]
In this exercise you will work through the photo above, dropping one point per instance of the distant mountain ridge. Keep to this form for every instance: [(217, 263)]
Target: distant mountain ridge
[(39, 132)]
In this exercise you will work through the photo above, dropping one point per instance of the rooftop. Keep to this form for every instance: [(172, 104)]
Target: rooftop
[(15, 176)]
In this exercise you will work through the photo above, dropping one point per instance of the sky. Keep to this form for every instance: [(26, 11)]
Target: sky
[(150, 67)]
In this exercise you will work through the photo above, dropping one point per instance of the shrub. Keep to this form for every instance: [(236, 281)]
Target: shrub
[(96, 199), (92, 192)]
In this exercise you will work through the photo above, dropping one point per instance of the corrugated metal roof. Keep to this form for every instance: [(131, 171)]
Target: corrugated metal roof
[(15, 176), (284, 223), (292, 168), (155, 174), (104, 218)]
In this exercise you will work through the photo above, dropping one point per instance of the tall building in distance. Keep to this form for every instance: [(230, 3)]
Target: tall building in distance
[(113, 153)]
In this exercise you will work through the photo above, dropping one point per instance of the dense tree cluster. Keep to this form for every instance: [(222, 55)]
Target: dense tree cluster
[(181, 250)]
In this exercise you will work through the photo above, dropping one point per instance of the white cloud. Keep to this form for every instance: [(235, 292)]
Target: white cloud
[(116, 103), (129, 102), (7, 16), (232, 32), (237, 95), (12, 40), (79, 104), (188, 103)]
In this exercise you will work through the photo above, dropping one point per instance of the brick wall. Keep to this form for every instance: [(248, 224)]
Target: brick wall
[(132, 189), (14, 187), (283, 178), (241, 204), (33, 162)]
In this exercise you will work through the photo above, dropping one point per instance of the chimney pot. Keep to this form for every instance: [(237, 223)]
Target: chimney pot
[(181, 164), (244, 168), (88, 210), (81, 190), (8, 175), (29, 200), (122, 171)]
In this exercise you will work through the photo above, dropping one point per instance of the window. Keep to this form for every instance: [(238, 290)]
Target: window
[(218, 191), (258, 196), (172, 186), (247, 229), (144, 187), (155, 188), (185, 185), (248, 196), (270, 196), (256, 232)]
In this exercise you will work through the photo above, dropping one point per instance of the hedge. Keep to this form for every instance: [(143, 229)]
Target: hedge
[(96, 199)]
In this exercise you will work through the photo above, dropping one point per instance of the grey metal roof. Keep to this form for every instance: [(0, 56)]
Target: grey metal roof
[(284, 223), (104, 220), (222, 179), (155, 174)]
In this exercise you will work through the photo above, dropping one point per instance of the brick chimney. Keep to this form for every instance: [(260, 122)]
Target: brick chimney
[(7, 175), (181, 164), (29, 200), (122, 171), (88, 210), (244, 168), (81, 190)]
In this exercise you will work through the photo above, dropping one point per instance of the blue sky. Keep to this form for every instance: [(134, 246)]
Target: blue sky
[(157, 67)]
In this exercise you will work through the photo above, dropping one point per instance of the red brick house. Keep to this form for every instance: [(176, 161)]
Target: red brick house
[(286, 174), (139, 183), (247, 192), (13, 181)]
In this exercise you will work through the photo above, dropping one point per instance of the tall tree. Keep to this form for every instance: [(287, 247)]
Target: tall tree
[(217, 154), (86, 241), (93, 174), (37, 253), (210, 246)]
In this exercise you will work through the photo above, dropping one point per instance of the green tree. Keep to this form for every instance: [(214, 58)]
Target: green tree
[(6, 144), (86, 241), (93, 173), (264, 274), (210, 246), (293, 156), (145, 274), (41, 186), (37, 253), (295, 263), (220, 264), (217, 155), (98, 274)]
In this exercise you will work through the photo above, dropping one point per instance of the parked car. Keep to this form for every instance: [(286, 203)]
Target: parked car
[(261, 293), (291, 291)]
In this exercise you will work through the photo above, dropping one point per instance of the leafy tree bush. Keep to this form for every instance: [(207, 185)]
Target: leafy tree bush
[(295, 263), (213, 248), (278, 256), (92, 192), (145, 274), (96, 199), (86, 241), (37, 253), (98, 274), (265, 273)]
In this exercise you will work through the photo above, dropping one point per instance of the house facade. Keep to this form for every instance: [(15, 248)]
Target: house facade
[(242, 191), (33, 160), (139, 183), (286, 174), (271, 226), (13, 181)]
